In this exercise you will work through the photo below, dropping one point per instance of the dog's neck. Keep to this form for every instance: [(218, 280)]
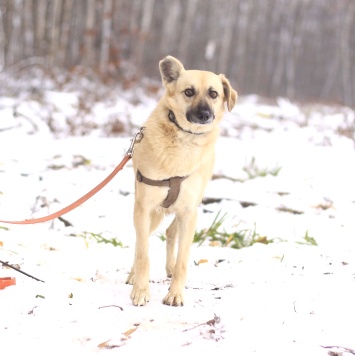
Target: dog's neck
[(172, 119)]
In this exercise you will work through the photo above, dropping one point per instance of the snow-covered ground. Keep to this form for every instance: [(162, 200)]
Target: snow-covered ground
[(284, 173)]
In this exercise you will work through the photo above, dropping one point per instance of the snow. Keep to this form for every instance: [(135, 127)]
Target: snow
[(287, 297)]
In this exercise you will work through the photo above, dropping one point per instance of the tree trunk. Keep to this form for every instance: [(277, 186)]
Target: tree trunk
[(303, 49)]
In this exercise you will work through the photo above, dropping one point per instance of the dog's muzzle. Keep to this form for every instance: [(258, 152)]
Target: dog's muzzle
[(202, 115)]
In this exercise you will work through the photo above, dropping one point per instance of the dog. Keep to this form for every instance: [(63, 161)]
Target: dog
[(173, 163)]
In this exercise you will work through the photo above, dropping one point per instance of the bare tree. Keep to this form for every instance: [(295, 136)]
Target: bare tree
[(105, 35), (89, 34), (304, 49), (346, 70)]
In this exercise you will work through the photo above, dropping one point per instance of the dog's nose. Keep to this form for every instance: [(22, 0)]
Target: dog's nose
[(204, 115)]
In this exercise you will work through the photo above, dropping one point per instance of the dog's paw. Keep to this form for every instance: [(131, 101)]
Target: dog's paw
[(140, 296), (174, 299)]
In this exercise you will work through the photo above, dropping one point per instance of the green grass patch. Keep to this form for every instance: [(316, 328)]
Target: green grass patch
[(215, 235), (99, 238), (253, 171), (308, 240)]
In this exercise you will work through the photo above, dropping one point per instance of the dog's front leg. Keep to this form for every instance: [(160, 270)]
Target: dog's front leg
[(140, 271), (185, 225)]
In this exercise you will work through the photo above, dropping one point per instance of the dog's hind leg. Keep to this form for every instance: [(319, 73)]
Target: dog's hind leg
[(184, 227), (171, 237)]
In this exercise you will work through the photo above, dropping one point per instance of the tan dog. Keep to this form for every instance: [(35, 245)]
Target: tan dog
[(173, 163)]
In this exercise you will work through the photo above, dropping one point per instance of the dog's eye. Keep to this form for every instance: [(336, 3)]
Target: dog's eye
[(213, 94), (189, 93)]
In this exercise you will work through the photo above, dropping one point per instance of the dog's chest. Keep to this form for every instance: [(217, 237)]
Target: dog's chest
[(171, 157), (183, 157)]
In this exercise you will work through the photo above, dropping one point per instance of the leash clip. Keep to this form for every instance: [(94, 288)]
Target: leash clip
[(136, 139)]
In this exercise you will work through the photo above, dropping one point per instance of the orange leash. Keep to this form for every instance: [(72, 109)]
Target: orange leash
[(76, 203), (137, 138)]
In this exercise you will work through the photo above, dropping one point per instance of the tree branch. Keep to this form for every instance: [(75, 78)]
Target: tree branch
[(16, 269)]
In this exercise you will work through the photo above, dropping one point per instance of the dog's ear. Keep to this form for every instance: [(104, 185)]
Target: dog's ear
[(170, 69), (230, 95)]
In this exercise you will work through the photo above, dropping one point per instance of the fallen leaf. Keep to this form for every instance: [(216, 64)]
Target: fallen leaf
[(104, 344), (130, 331), (78, 279), (108, 345), (213, 321), (201, 261), (111, 344), (262, 240)]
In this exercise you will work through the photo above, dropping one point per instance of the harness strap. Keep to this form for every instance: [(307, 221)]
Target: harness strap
[(173, 183)]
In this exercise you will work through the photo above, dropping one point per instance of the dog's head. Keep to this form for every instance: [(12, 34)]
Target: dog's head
[(197, 98)]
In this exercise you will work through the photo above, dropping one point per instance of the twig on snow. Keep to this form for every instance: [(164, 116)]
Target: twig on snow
[(18, 270), (109, 306), (211, 322), (351, 351)]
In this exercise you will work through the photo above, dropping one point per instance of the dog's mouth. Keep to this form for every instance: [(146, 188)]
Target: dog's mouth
[(202, 115), (172, 119)]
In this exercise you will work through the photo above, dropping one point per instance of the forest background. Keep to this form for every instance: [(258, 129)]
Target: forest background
[(300, 49)]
